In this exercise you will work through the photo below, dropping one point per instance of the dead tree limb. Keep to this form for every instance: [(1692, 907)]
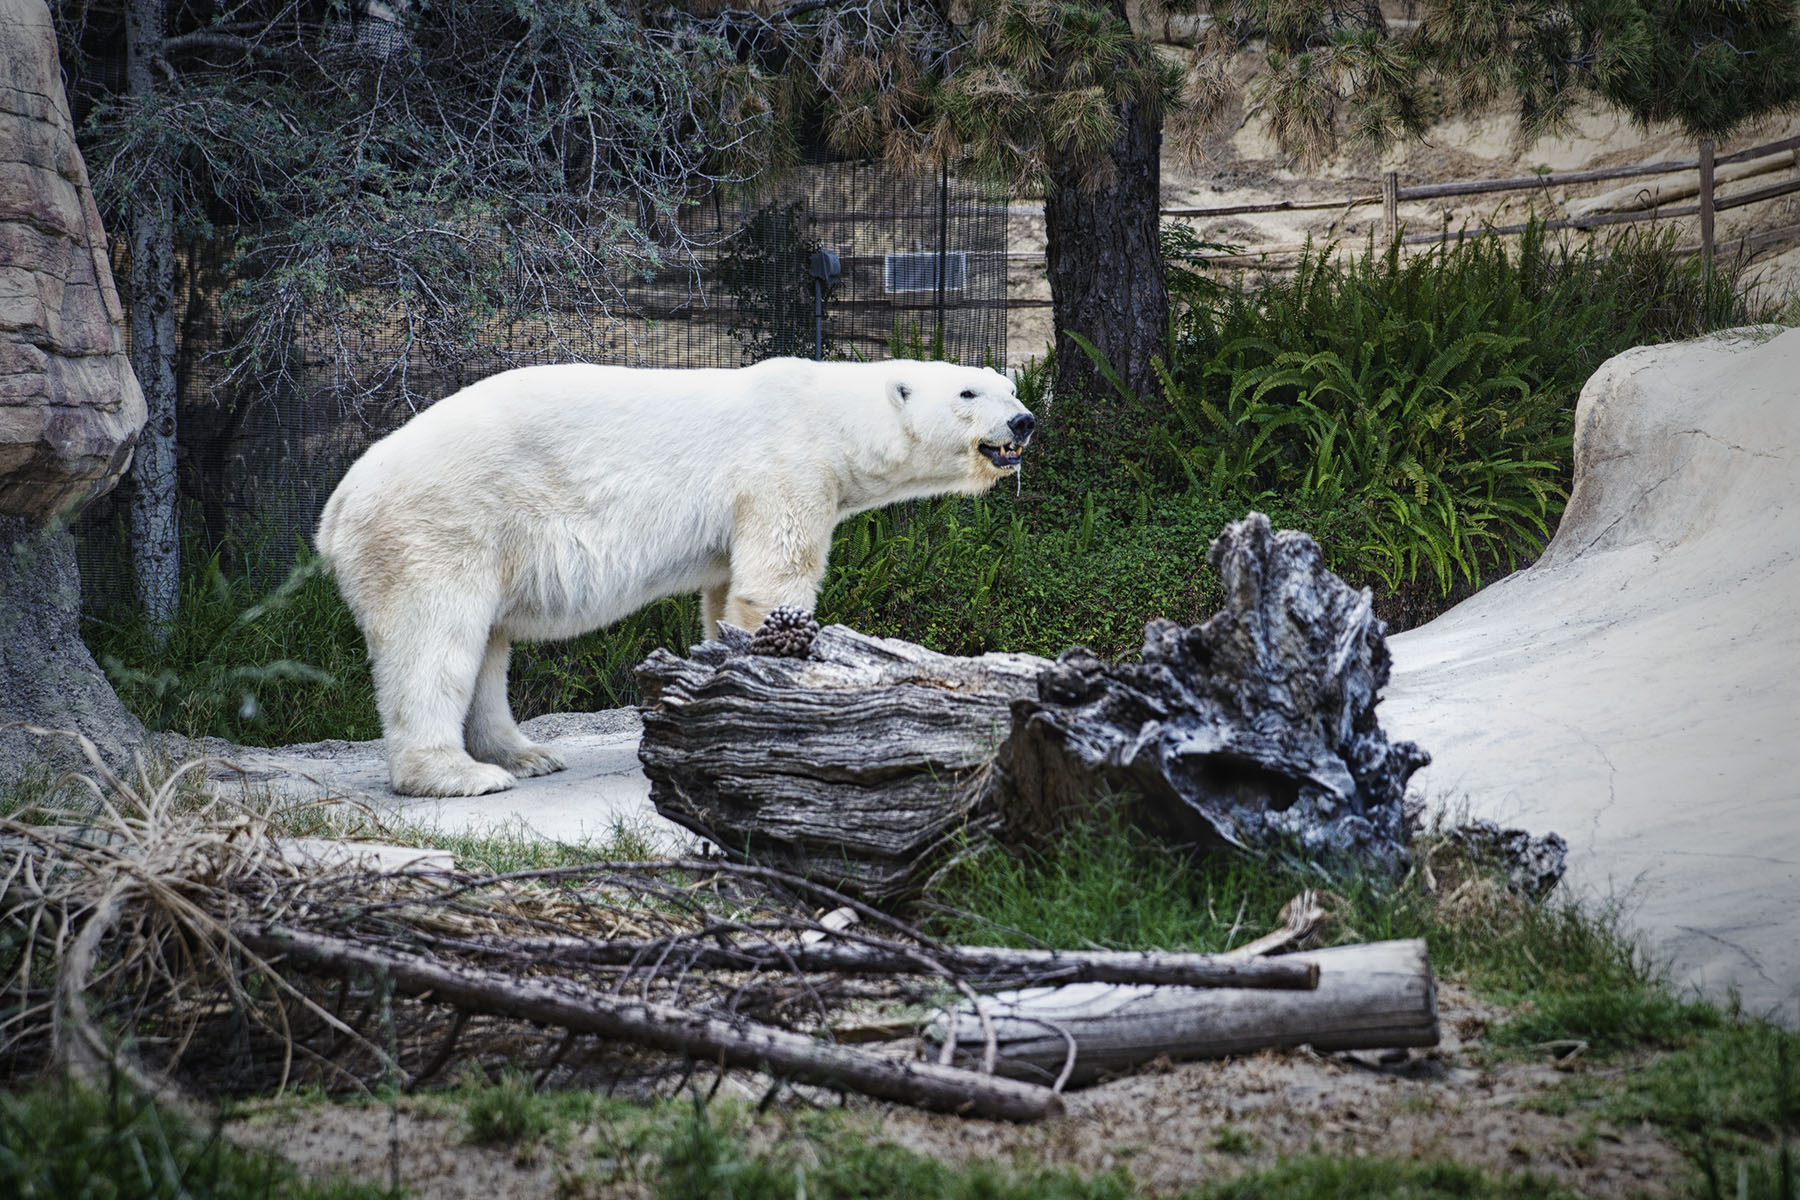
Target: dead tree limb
[(1256, 730), (865, 957), (742, 1044), (857, 766)]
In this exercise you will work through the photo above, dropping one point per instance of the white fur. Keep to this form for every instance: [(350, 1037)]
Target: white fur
[(549, 501)]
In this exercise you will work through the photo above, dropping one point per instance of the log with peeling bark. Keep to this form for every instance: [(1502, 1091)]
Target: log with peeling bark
[(980, 964), (736, 1043), (1374, 996), (860, 765)]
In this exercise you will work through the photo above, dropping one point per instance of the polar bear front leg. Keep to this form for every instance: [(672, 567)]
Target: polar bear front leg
[(425, 665), (491, 734), (776, 559)]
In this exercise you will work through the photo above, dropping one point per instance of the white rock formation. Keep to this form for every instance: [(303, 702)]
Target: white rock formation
[(1638, 688)]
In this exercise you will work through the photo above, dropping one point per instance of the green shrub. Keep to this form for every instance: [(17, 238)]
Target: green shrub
[(288, 665), (509, 1111), (1430, 396)]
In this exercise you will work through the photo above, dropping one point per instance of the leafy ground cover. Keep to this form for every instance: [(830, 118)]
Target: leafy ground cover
[(62, 1141)]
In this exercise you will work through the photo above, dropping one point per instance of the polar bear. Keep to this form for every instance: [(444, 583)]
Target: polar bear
[(548, 501)]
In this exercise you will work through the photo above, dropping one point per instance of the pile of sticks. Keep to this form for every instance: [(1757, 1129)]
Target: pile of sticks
[(234, 967)]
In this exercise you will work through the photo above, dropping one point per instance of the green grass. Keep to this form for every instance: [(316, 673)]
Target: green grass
[(966, 576), (706, 1157), (509, 1111), (1609, 1019), (1729, 1095), (500, 848), (63, 1142), (1576, 972)]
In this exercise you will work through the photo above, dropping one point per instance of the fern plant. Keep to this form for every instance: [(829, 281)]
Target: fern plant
[(1432, 396)]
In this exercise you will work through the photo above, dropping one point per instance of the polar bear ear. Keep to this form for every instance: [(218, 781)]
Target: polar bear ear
[(899, 392)]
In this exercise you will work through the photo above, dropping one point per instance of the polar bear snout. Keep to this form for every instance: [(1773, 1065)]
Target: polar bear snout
[(1008, 447)]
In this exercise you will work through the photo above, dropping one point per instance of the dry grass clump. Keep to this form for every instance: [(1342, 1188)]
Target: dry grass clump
[(131, 897)]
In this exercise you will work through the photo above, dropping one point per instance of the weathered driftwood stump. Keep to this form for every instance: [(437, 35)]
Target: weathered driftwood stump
[(864, 762), (1255, 730), (859, 766)]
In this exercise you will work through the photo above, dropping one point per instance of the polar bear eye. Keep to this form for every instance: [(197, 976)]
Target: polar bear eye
[(968, 393)]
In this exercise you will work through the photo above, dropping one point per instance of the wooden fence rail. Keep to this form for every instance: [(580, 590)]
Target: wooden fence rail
[(1392, 195)]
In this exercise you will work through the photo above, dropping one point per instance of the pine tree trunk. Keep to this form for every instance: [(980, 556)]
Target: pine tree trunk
[(151, 492), (1106, 277)]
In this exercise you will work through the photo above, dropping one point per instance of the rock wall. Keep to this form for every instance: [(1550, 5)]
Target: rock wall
[(70, 407)]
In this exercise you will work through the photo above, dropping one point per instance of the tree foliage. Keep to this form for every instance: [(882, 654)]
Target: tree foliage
[(431, 171), (1708, 66)]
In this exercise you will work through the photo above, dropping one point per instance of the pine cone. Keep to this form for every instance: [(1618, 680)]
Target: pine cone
[(787, 632)]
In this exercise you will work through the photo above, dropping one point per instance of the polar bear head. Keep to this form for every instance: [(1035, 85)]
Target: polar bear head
[(966, 425)]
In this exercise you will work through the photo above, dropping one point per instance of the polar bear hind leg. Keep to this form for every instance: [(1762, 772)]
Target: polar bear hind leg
[(490, 732), (426, 664)]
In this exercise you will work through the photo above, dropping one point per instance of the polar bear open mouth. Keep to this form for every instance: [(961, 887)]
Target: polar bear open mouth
[(1002, 456)]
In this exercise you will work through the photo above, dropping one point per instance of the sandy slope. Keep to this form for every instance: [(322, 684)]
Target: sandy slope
[(1638, 688)]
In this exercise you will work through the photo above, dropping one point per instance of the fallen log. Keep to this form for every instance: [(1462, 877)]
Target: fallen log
[(736, 1043), (860, 766), (977, 963), (1373, 996), (868, 762)]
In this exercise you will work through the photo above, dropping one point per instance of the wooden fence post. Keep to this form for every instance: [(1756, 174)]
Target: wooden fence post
[(1390, 204), (1706, 202)]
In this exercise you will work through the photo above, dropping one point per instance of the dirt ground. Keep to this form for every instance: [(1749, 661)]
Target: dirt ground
[(1170, 1126)]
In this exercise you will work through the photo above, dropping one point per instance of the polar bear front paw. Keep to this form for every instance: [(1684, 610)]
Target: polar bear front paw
[(445, 773), (532, 760)]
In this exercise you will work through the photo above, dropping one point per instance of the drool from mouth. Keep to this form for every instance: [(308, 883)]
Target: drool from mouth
[(1002, 456)]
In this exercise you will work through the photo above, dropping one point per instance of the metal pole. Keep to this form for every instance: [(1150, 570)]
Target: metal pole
[(943, 246), (1706, 202)]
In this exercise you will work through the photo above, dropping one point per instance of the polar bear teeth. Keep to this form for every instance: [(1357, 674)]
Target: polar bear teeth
[(1002, 456)]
